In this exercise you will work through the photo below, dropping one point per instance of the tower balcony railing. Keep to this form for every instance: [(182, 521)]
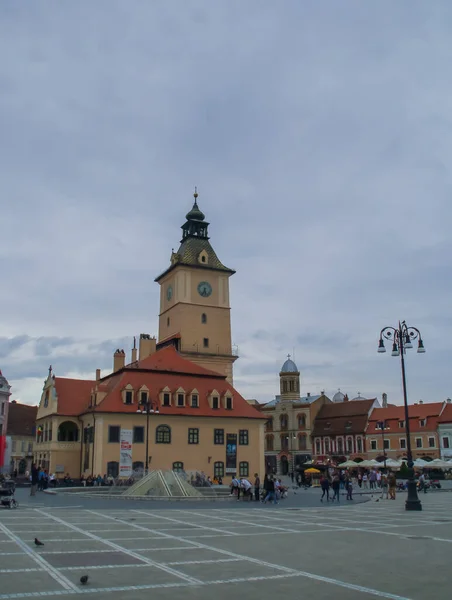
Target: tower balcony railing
[(212, 349)]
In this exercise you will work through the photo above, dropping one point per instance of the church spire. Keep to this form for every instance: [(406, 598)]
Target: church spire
[(195, 225)]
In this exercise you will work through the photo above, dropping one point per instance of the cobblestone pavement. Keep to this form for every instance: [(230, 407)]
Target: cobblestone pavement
[(346, 552)]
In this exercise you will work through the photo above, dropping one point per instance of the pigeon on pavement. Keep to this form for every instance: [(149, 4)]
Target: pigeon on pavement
[(84, 579), (38, 543)]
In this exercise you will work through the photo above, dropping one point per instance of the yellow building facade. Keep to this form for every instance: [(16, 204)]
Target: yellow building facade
[(173, 405)]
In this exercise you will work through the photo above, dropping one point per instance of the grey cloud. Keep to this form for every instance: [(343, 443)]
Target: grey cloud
[(319, 146)]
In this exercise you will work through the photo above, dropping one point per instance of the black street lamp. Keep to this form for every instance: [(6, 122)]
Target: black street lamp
[(401, 338), (148, 407)]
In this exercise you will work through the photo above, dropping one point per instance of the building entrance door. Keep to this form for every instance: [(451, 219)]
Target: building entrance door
[(284, 465)]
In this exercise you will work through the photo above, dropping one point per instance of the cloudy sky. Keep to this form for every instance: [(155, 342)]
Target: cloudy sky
[(319, 136)]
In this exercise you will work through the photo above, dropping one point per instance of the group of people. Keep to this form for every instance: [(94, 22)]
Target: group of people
[(272, 489), (386, 482), (91, 481)]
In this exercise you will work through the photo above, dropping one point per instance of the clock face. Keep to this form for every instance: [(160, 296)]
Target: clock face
[(169, 292), (204, 289)]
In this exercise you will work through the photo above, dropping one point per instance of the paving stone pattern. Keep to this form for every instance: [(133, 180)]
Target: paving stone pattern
[(346, 552)]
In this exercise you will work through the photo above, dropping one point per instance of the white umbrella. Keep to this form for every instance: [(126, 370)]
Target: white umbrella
[(420, 463), (348, 464), (438, 464), (393, 464)]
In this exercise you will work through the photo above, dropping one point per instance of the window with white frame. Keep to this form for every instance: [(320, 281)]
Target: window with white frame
[(418, 442), (431, 442), (446, 443), (387, 445), (402, 443), (373, 444)]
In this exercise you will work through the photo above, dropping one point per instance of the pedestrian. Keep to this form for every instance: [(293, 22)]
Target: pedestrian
[(384, 486), (336, 487), (257, 487), (34, 479), (392, 483), (349, 484), (270, 491), (325, 485)]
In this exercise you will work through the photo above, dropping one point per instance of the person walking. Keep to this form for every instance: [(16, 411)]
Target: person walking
[(270, 491), (336, 485), (325, 485), (392, 483), (384, 486), (34, 479), (257, 487)]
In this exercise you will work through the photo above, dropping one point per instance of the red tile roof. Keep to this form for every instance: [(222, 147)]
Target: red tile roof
[(446, 415), (393, 414), (342, 418), (164, 368), (21, 419), (73, 395)]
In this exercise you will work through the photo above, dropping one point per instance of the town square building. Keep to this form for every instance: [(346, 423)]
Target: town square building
[(5, 450), (445, 431), (289, 422), (174, 397), (386, 433), (340, 428), (21, 435)]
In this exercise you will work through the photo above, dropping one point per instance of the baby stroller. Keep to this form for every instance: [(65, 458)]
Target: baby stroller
[(7, 491)]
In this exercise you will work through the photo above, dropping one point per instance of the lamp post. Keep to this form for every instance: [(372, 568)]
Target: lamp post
[(401, 338), (382, 427), (148, 407)]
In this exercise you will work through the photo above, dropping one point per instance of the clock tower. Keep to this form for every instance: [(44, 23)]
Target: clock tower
[(195, 314)]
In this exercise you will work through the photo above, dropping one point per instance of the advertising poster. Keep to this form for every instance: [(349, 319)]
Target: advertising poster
[(125, 458), (231, 453)]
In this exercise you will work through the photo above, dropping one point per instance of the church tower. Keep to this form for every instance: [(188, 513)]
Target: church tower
[(195, 314), (289, 381)]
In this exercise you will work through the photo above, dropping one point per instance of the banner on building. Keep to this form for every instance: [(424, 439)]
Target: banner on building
[(2, 451), (231, 453), (125, 459)]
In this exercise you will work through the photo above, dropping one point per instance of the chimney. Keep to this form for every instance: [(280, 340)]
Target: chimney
[(147, 345), (449, 401), (134, 350), (97, 374), (309, 394), (119, 360), (346, 398), (421, 402), (384, 398)]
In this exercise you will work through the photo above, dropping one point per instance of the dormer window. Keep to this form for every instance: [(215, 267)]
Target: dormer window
[(214, 399), (348, 425), (143, 397), (180, 397), (195, 400), (203, 257), (228, 403), (165, 396), (401, 424), (327, 425), (127, 394), (422, 422)]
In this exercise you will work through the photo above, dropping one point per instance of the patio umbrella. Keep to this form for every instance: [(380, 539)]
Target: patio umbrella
[(420, 463), (393, 464), (348, 464), (437, 464), (312, 470)]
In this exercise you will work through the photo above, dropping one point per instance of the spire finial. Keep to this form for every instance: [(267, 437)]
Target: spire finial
[(50, 370), (195, 195), (288, 356)]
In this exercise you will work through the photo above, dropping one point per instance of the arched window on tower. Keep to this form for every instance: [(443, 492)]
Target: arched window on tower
[(269, 443), (292, 385), (203, 318), (284, 386), (302, 421), (283, 422)]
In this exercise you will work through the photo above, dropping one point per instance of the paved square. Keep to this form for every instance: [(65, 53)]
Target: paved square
[(347, 552)]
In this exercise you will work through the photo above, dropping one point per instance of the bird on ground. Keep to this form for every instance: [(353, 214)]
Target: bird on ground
[(84, 579), (38, 543)]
